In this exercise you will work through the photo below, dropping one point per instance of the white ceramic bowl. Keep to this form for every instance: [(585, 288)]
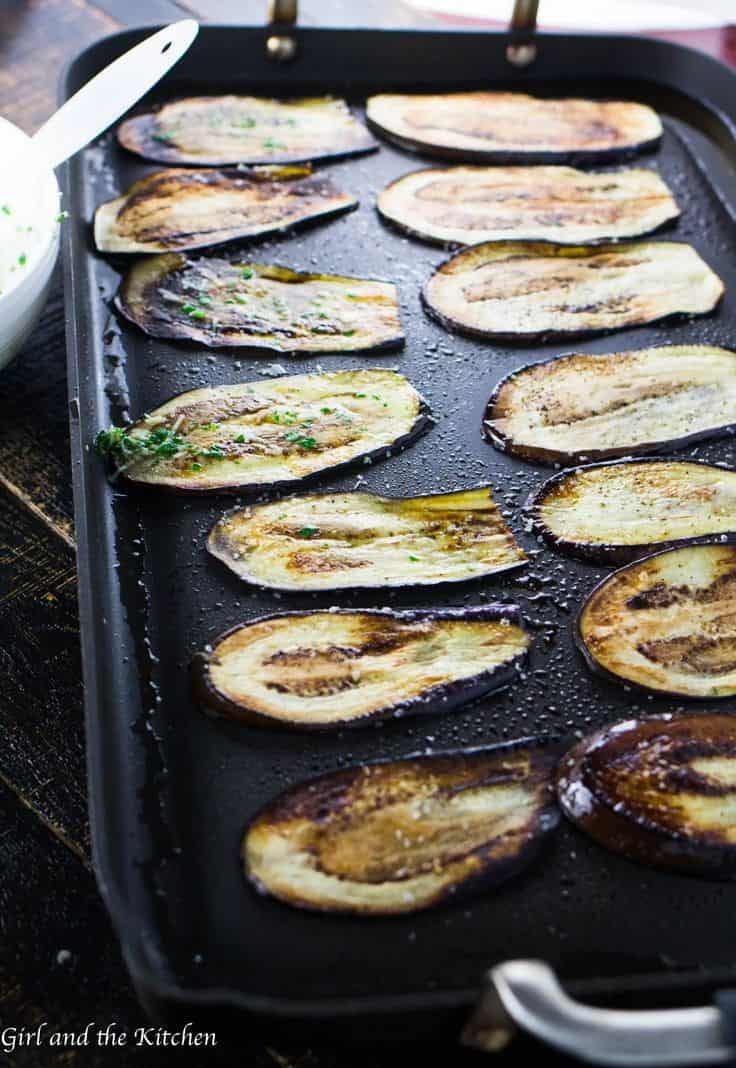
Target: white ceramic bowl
[(27, 180)]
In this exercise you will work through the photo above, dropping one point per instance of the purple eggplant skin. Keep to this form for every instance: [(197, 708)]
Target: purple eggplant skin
[(546, 752), (609, 676), (635, 835), (424, 422), (570, 459), (440, 699), (614, 555)]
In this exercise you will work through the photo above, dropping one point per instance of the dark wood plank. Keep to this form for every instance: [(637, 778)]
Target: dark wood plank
[(42, 756), (37, 37)]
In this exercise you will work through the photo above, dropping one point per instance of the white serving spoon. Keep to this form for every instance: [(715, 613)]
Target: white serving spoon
[(110, 93)]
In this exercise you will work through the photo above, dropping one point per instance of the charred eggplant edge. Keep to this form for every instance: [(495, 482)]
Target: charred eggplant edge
[(144, 145), (204, 337), (611, 676), (632, 836), (543, 336), (222, 557), (492, 876), (423, 422), (452, 695), (516, 157), (571, 460), (611, 552)]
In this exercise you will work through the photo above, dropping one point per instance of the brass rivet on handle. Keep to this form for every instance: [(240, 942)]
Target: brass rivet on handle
[(521, 55), (281, 48)]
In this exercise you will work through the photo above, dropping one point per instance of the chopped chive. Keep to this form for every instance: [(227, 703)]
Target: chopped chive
[(6, 209), (22, 259), (246, 273), (308, 532)]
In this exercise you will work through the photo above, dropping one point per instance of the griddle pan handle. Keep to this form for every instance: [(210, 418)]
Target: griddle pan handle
[(526, 995), (523, 47)]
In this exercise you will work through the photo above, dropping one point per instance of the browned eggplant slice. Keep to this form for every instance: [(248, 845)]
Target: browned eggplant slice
[(339, 668), (614, 513), (358, 540), (261, 435), (187, 209), (498, 127), (597, 407), (220, 303), (403, 835), (667, 623), (535, 290), (465, 205), (661, 791), (217, 130)]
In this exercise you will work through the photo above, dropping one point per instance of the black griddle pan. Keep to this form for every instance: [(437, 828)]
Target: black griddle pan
[(171, 790)]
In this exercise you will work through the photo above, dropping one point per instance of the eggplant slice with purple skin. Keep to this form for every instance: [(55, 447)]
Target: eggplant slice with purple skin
[(503, 127), (520, 291), (265, 435), (614, 513), (185, 209), (398, 836), (221, 130), (223, 304), (465, 205), (585, 407), (666, 623), (355, 540), (338, 668), (661, 791)]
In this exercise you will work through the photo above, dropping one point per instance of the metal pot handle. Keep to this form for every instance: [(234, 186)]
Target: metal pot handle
[(526, 994), (523, 48)]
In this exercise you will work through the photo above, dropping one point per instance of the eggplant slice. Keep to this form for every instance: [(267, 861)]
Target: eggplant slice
[(399, 836), (220, 130), (261, 435), (339, 668), (614, 513), (598, 407), (667, 623), (220, 304), (465, 205), (498, 127), (661, 791), (359, 540), (187, 209), (535, 291)]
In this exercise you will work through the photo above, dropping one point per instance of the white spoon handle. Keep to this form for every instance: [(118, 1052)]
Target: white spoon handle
[(111, 92)]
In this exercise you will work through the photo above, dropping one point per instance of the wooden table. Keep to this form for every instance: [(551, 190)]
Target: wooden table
[(59, 961)]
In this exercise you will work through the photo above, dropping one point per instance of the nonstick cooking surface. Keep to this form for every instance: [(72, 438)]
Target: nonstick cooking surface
[(586, 911)]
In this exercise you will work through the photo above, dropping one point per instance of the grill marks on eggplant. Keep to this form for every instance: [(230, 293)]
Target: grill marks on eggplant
[(257, 435), (594, 407), (498, 127), (221, 304), (616, 512), (661, 791), (667, 623), (217, 130), (349, 540), (465, 205), (404, 835), (526, 290), (188, 209), (341, 668)]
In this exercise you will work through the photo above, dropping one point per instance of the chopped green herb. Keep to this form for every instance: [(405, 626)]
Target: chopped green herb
[(246, 273), (246, 122), (240, 439), (414, 559), (348, 333), (22, 259), (61, 216), (6, 209), (196, 467), (162, 138), (298, 439), (360, 394), (308, 532), (270, 143), (326, 411)]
